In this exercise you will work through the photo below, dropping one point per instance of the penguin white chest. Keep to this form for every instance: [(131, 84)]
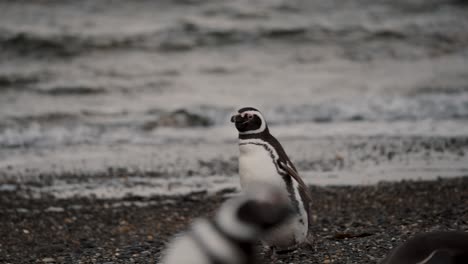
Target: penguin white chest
[(257, 164)]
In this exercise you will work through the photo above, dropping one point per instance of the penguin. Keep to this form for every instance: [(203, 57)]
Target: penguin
[(443, 247), (231, 236), (262, 159)]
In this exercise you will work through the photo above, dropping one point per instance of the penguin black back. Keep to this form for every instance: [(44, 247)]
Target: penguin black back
[(449, 247)]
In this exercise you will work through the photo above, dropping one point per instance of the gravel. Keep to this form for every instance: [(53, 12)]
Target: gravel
[(351, 224)]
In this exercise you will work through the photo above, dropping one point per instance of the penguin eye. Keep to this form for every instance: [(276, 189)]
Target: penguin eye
[(249, 116)]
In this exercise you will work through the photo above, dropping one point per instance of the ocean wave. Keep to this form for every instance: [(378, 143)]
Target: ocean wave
[(18, 81), (431, 104), (71, 90), (31, 43), (436, 105), (45, 118), (428, 106), (449, 90), (37, 135), (189, 34), (92, 127), (178, 118), (107, 128), (63, 44)]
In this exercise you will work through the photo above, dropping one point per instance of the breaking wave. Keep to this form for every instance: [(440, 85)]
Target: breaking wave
[(99, 128), (431, 105)]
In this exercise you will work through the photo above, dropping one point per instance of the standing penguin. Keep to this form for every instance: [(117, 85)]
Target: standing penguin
[(262, 159), (231, 236)]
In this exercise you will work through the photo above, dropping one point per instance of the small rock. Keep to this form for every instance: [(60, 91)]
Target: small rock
[(22, 210), (76, 207), (8, 187), (26, 231), (48, 260), (53, 209)]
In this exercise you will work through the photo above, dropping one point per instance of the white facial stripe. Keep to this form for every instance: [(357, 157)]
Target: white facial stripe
[(262, 126), (229, 222)]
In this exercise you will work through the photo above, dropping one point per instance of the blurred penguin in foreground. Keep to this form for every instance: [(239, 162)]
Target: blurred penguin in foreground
[(230, 237), (432, 248)]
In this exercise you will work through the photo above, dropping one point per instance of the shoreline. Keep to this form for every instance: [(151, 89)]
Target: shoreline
[(115, 171), (351, 223)]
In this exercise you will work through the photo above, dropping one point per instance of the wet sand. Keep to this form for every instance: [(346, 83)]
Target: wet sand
[(358, 224)]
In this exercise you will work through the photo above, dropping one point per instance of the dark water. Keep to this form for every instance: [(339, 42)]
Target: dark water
[(91, 85)]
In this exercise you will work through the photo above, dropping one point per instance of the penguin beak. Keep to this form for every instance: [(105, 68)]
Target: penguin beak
[(236, 119)]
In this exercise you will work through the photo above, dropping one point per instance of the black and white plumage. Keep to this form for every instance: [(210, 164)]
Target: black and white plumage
[(449, 247), (230, 237), (262, 159)]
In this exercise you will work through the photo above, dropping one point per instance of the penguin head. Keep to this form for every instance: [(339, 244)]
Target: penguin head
[(259, 210), (249, 120)]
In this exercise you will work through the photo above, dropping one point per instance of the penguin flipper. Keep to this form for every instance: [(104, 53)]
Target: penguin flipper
[(303, 189)]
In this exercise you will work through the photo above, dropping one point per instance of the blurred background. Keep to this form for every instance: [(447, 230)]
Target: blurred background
[(114, 98)]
